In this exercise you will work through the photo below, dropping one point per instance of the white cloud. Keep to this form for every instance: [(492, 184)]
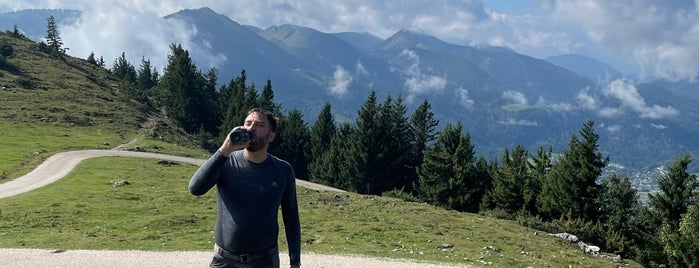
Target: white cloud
[(658, 126), (360, 68), (341, 81), (631, 99), (586, 101), (110, 28), (662, 36), (464, 99), (610, 112), (515, 97), (562, 107), (520, 122), (614, 128), (416, 82)]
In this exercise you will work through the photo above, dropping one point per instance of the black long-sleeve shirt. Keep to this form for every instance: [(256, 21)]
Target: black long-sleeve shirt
[(249, 197)]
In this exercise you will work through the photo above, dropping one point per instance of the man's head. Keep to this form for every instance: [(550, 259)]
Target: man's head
[(264, 124)]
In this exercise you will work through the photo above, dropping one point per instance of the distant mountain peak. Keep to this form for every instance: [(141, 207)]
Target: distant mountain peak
[(414, 29)]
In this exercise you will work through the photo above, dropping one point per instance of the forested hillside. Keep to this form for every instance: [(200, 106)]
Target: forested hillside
[(389, 150)]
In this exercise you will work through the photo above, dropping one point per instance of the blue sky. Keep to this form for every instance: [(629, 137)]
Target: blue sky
[(648, 37)]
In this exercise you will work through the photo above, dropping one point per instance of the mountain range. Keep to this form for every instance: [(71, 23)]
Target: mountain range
[(501, 97)]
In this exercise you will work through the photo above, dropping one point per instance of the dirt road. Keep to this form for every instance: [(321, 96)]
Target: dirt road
[(59, 165)]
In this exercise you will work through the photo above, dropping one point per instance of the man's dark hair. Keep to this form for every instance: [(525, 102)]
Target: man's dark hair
[(273, 119)]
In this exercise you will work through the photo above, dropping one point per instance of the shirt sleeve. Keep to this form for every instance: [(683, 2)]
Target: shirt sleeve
[(290, 213), (207, 175)]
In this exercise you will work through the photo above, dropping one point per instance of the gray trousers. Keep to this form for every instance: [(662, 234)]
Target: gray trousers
[(223, 258)]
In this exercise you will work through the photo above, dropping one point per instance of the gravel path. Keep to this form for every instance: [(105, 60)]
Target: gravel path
[(59, 165), (180, 259)]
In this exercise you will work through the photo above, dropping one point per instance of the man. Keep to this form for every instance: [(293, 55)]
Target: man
[(251, 186)]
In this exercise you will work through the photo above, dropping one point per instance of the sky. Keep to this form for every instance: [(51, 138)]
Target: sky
[(648, 38)]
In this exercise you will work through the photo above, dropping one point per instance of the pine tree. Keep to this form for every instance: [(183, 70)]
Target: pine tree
[(510, 179), (618, 209), (322, 131), (91, 58), (124, 70), (467, 186), (677, 190), (540, 165), (53, 38), (571, 186), (266, 99), (147, 77), (446, 177), (210, 116), (233, 103), (321, 135), (183, 90), (294, 147), (682, 244), (422, 128), (334, 166), (393, 141), (365, 149)]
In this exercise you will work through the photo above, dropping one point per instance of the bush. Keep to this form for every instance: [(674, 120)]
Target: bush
[(396, 193)]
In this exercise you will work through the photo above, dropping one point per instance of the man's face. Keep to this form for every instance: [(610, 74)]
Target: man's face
[(258, 124)]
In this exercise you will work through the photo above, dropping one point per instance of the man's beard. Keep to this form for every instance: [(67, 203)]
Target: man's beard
[(257, 144)]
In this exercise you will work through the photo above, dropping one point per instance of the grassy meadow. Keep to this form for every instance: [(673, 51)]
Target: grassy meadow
[(156, 212)]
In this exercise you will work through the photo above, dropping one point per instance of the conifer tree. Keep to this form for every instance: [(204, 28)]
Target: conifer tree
[(233, 103), (618, 209), (422, 130), (251, 97), (364, 148), (678, 189), (509, 180), (294, 146), (393, 141), (571, 187), (321, 134), (322, 131), (91, 58), (210, 116), (467, 186), (266, 99), (682, 244), (334, 166), (445, 177), (147, 77), (124, 70), (540, 166), (183, 89), (53, 38)]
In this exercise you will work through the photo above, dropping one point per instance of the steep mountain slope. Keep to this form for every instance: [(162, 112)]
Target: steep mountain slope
[(363, 41), (238, 48), (38, 88), (586, 67)]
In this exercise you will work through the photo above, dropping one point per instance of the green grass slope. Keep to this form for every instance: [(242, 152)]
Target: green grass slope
[(49, 105)]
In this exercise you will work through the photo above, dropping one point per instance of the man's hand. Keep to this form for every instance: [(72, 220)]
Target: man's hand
[(228, 147)]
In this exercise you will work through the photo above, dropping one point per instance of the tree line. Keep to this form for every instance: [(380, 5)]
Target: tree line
[(386, 151)]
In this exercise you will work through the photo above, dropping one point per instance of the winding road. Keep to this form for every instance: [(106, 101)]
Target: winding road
[(60, 164)]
